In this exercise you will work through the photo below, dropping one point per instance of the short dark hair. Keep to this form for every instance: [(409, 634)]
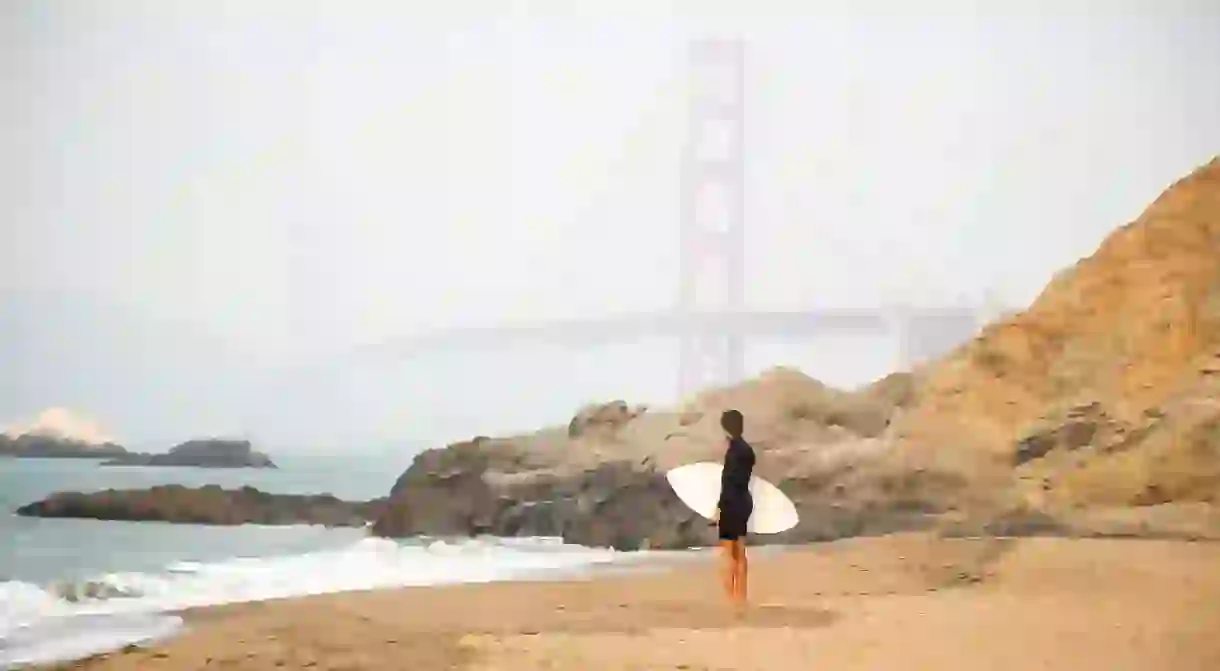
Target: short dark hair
[(733, 423)]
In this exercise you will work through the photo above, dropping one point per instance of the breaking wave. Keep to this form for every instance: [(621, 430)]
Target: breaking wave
[(70, 620)]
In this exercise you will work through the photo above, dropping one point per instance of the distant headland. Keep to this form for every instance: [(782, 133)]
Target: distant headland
[(59, 434)]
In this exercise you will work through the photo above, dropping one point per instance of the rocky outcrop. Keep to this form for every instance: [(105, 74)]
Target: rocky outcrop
[(1169, 455), (1125, 327), (616, 504), (208, 453), (32, 445), (1102, 391), (605, 417), (1095, 411), (204, 505), (1081, 425), (443, 493), (600, 480), (628, 505)]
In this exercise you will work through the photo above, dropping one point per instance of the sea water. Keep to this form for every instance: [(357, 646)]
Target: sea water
[(70, 588)]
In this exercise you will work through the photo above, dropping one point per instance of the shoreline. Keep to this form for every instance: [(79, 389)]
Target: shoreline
[(900, 601), (643, 566), (119, 628)]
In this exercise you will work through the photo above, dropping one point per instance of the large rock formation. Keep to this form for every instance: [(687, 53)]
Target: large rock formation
[(204, 505), (1104, 391), (207, 453), (614, 504), (1095, 411), (600, 480), (42, 446)]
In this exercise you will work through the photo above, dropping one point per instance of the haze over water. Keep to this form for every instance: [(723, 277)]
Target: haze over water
[(211, 211), (231, 197)]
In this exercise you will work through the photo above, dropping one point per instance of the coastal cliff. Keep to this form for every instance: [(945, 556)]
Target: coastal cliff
[(58, 433), (1093, 412), (40, 446)]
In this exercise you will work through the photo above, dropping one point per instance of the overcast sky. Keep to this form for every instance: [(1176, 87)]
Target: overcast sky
[(207, 205)]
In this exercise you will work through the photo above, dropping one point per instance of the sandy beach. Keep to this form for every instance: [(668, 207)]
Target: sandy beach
[(900, 602)]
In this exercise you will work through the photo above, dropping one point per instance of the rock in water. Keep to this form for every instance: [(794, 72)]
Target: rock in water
[(205, 505), (202, 453)]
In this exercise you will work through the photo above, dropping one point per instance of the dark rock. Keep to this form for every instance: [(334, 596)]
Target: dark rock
[(617, 505), (41, 446), (76, 592), (443, 493), (1080, 425), (613, 505), (206, 453), (1034, 446), (205, 505)]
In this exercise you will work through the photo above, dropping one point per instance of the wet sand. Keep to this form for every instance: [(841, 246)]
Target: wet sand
[(900, 602)]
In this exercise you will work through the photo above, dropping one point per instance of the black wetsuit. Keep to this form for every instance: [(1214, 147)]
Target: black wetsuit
[(736, 504)]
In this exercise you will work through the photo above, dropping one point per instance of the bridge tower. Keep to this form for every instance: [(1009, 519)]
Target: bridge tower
[(712, 229)]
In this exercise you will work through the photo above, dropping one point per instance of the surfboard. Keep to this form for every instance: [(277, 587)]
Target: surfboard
[(698, 486)]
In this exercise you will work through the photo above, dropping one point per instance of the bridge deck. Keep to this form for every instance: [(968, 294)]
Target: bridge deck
[(773, 325)]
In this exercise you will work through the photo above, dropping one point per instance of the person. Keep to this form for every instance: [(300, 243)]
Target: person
[(735, 506)]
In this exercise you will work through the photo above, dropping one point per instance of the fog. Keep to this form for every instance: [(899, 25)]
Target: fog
[(214, 212)]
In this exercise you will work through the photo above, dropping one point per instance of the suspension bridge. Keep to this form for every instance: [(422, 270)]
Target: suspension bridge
[(712, 330)]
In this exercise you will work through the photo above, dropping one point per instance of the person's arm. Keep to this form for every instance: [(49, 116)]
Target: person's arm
[(726, 473)]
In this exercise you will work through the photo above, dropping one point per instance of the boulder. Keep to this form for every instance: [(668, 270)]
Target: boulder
[(627, 507), (443, 493)]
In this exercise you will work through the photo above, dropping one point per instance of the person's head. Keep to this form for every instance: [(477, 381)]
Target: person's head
[(733, 423)]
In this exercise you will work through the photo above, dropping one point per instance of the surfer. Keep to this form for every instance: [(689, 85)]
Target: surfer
[(735, 506)]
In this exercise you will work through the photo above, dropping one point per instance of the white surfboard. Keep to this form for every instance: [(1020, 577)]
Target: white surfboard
[(698, 485)]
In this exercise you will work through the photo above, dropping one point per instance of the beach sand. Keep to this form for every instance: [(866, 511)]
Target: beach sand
[(900, 602)]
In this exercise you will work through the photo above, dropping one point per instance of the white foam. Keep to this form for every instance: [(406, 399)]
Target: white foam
[(22, 603), (66, 638), (36, 626)]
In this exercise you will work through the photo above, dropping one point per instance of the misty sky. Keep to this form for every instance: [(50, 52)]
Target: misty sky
[(208, 206)]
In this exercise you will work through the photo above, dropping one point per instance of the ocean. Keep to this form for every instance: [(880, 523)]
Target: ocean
[(70, 588)]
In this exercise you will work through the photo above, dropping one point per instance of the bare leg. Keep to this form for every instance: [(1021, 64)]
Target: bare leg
[(741, 566), (729, 569)]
